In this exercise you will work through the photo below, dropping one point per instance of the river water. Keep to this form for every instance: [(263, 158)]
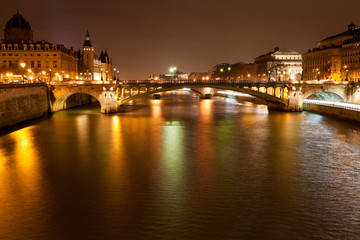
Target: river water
[(180, 168)]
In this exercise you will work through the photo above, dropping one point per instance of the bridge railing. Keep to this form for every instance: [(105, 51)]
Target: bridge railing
[(197, 82)]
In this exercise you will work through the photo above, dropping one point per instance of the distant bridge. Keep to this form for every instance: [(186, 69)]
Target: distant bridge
[(286, 96)]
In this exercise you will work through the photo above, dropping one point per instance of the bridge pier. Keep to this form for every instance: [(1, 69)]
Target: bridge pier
[(207, 96), (284, 107), (156, 96)]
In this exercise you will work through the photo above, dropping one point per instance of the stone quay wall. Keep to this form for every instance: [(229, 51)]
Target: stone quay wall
[(333, 111), (22, 102)]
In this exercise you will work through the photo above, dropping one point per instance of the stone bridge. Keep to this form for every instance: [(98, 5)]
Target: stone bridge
[(285, 96)]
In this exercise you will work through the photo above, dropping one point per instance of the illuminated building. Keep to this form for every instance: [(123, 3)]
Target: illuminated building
[(329, 60), (279, 65), (350, 70), (21, 56)]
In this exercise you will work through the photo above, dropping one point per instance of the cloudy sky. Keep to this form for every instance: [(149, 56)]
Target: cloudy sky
[(144, 37)]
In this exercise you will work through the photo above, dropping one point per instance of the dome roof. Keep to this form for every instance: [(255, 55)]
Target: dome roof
[(18, 30), (18, 21)]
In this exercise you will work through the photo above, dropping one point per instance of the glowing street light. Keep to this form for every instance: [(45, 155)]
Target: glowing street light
[(173, 69), (23, 67), (347, 73)]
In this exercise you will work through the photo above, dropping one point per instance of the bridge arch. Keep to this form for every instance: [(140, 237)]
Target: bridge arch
[(62, 102), (104, 95), (330, 96), (262, 93), (339, 91)]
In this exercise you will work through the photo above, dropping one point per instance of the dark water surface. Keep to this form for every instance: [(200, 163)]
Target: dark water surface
[(180, 168)]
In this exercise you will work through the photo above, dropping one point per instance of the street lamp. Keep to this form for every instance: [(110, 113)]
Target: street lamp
[(118, 76), (101, 74), (114, 77), (318, 76), (50, 74), (347, 73), (23, 69), (107, 74), (44, 75)]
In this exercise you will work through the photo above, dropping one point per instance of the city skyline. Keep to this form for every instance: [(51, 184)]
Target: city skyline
[(145, 38)]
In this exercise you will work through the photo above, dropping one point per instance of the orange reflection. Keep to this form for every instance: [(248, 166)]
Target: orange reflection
[(206, 111), (156, 108), (20, 186)]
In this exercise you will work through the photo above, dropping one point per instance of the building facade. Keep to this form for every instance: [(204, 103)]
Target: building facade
[(23, 59), (277, 65), (335, 58)]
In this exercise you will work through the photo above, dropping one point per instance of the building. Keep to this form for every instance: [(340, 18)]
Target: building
[(334, 58), (350, 70), (22, 58), (279, 65)]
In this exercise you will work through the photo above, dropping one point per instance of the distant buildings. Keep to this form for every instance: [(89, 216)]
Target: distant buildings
[(336, 57), (277, 65), (21, 56)]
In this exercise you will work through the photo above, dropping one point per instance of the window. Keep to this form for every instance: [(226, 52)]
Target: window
[(39, 64), (32, 64), (47, 64), (10, 63), (54, 55), (55, 64), (38, 55)]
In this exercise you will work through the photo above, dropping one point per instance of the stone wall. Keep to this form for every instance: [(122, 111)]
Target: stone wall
[(333, 111), (22, 102)]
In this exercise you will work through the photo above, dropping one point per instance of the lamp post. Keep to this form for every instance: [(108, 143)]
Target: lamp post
[(347, 73), (101, 74), (118, 76), (114, 77), (23, 69), (318, 76), (107, 74), (50, 75), (44, 75)]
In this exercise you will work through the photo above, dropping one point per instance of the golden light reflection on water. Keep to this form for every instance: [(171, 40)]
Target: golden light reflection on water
[(20, 173), (156, 108), (82, 128), (26, 159), (173, 151)]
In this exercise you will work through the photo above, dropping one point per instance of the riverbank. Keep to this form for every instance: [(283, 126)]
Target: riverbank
[(22, 102), (25, 102), (333, 111)]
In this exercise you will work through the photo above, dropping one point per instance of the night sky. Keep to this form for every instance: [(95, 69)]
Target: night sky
[(145, 37)]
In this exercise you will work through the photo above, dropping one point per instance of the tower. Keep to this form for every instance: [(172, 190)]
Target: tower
[(88, 54)]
